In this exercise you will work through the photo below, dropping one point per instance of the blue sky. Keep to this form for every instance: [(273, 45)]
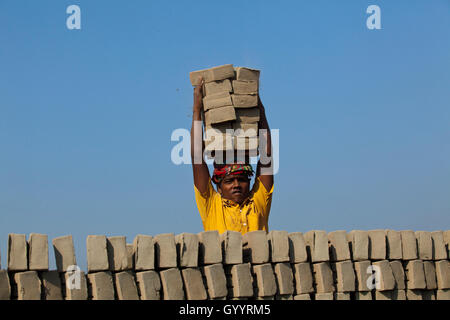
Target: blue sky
[(86, 115)]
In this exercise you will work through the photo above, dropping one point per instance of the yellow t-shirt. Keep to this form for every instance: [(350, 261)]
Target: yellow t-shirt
[(221, 214)]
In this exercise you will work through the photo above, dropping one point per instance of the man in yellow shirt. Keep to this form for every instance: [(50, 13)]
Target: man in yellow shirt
[(233, 206)]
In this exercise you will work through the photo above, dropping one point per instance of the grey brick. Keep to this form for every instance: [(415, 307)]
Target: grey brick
[(51, 285), (278, 246), (64, 252), (297, 248), (101, 285), (97, 255), (393, 245), (231, 243), (172, 284), (117, 253), (339, 248), (144, 252), (317, 245), (38, 252), (165, 251), (126, 286), (210, 251), (193, 284), (17, 252), (149, 284), (187, 249), (285, 278), (255, 247)]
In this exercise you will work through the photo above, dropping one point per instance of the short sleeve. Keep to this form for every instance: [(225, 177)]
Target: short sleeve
[(205, 200), (262, 198)]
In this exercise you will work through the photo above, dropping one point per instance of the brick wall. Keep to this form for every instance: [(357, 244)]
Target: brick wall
[(316, 265)]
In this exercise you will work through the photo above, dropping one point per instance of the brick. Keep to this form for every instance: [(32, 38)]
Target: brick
[(278, 246), (172, 284), (247, 115), (218, 100), (5, 287), (324, 296), (398, 295), (117, 253), (265, 280), (212, 74), (424, 245), (377, 244), (101, 285), (297, 248), (345, 276), (210, 250), (193, 284), (216, 280), (304, 296), (409, 245), (362, 274), (243, 73), (220, 114), (385, 276), (97, 254), (242, 281), (144, 252), (221, 142), (284, 278), (244, 100), (17, 252), (339, 248), (130, 256), (414, 294), (415, 275), (303, 278), (149, 284), (247, 143), (443, 294), (245, 86), (64, 252), (359, 245), (443, 274), (126, 286), (428, 295), (77, 290), (38, 252), (430, 275), (231, 244), (317, 245), (165, 250), (342, 296), (245, 129), (363, 295), (187, 249), (383, 295), (440, 252), (28, 285), (255, 247), (284, 297), (393, 245), (399, 274), (323, 277), (51, 285), (215, 87)]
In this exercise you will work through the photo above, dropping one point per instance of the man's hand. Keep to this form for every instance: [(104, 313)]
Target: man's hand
[(198, 97)]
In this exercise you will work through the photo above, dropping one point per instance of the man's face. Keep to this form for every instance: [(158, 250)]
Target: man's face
[(235, 187)]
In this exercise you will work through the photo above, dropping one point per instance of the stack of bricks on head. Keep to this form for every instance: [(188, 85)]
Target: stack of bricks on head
[(230, 108), (316, 265)]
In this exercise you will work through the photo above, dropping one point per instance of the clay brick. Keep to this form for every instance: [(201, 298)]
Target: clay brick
[(399, 274), (144, 252), (409, 245), (362, 274), (231, 244), (247, 115), (440, 252), (97, 254), (243, 73), (5, 287), (219, 142), (187, 249), (345, 276), (64, 252), (359, 245), (17, 252), (247, 143), (414, 294), (210, 251), (323, 277), (428, 295), (130, 256), (149, 285), (77, 290), (317, 245), (220, 114), (172, 284), (386, 280), (303, 278), (342, 296), (415, 275), (377, 244), (51, 285), (101, 285), (297, 248), (278, 246), (339, 248), (212, 74), (38, 252), (285, 278), (393, 245), (193, 284), (265, 280), (245, 86), (443, 294), (430, 275), (242, 281), (363, 295), (383, 295), (304, 296), (218, 100), (215, 87), (245, 129), (28, 285), (165, 251), (126, 286), (324, 296), (216, 280), (443, 274), (117, 253), (424, 245), (244, 100), (398, 295), (255, 247)]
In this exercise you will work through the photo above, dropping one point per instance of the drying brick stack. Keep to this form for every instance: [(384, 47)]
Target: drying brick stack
[(230, 108)]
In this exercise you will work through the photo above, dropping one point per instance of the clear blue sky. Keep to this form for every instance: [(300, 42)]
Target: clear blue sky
[(86, 115)]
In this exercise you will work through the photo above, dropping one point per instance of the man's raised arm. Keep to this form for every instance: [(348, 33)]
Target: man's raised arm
[(264, 170)]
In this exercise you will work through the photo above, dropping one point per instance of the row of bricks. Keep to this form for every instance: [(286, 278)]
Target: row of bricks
[(210, 247)]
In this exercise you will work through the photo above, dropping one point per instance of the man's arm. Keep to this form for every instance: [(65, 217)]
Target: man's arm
[(199, 167), (264, 170)]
